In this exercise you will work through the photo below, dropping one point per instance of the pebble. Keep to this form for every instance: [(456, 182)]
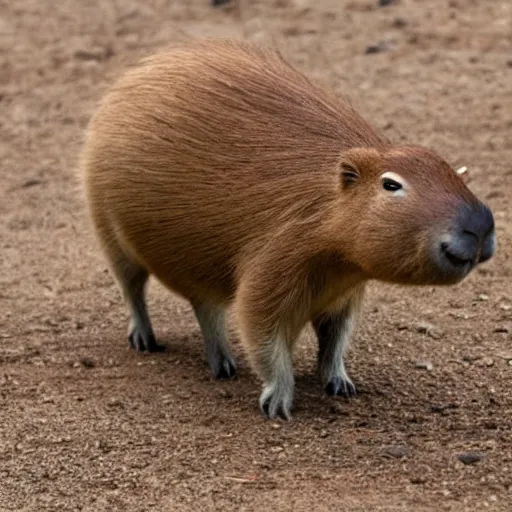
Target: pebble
[(486, 361), (441, 408), (482, 297), (396, 452), (399, 23), (421, 365), (428, 329), (87, 363), (375, 48), (31, 183), (115, 402), (418, 480), (276, 449), (470, 457)]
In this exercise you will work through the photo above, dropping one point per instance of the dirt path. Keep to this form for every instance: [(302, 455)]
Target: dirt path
[(86, 424)]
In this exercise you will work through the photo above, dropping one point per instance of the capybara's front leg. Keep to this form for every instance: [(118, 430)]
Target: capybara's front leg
[(334, 331), (270, 311)]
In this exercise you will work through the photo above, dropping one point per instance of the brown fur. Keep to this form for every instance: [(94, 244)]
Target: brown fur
[(218, 168)]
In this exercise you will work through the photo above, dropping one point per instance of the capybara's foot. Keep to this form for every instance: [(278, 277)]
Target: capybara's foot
[(223, 368), (341, 386), (144, 342), (276, 401)]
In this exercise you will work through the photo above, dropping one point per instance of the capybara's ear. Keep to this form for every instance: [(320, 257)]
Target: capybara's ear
[(349, 173), (355, 163)]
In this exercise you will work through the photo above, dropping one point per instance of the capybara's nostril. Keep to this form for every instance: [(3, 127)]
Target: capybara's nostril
[(458, 253), (477, 221), (488, 247), (475, 238)]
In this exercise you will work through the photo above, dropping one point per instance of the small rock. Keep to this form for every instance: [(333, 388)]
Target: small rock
[(441, 408), (324, 433), (424, 366), (225, 394), (502, 329), (471, 359), (486, 361), (384, 3), (96, 54), (87, 363), (416, 480), (482, 297), (376, 48), (115, 402), (276, 449), (31, 183), (399, 23), (216, 3), (428, 329), (470, 457), (396, 452)]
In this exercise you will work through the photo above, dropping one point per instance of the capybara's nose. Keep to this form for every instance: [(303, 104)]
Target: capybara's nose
[(488, 247), (478, 222), (473, 240)]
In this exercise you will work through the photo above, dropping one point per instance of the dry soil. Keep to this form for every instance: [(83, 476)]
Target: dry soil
[(87, 424)]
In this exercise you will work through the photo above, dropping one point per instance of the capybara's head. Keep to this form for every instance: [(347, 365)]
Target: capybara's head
[(412, 218)]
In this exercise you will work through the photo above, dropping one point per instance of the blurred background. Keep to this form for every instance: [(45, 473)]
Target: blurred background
[(87, 424)]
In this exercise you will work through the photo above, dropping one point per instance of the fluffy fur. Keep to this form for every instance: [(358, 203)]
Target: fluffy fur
[(230, 177)]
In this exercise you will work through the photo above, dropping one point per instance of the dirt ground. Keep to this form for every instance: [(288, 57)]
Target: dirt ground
[(86, 424)]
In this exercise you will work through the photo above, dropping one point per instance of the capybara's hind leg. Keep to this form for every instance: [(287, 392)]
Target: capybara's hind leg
[(212, 321), (132, 279)]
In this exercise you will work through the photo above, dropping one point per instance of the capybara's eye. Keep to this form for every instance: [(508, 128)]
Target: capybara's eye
[(391, 185)]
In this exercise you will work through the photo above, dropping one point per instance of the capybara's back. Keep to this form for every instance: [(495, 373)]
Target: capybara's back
[(229, 176), (203, 150)]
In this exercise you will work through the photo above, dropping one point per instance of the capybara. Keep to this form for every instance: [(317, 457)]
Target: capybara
[(233, 179)]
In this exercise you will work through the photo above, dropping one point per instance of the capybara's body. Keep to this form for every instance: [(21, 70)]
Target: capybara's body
[(230, 177)]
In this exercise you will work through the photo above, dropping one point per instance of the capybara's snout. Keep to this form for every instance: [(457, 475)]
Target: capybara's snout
[(470, 241)]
